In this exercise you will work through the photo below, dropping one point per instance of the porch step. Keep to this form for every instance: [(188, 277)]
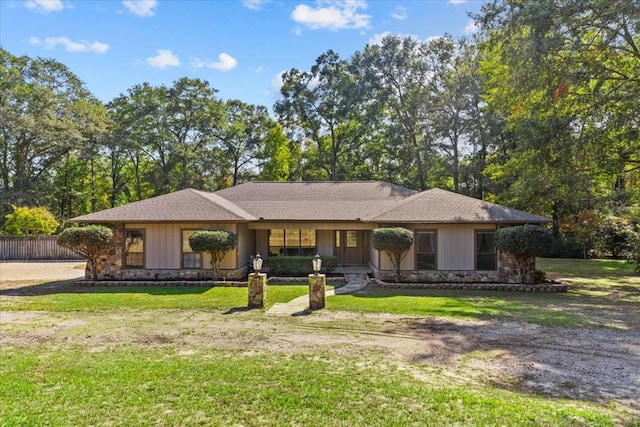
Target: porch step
[(355, 282)]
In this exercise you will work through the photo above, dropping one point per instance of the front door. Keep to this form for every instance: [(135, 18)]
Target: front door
[(349, 247)]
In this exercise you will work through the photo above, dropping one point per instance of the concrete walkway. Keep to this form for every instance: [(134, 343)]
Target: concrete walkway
[(299, 306)]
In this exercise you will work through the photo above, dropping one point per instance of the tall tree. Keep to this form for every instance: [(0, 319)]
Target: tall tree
[(45, 113), (318, 106), (242, 134)]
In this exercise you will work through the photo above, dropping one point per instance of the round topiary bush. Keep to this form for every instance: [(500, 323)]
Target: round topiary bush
[(90, 242), (215, 242), (524, 240), (395, 242)]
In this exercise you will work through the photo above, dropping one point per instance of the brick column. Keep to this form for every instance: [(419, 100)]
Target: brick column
[(317, 283), (257, 290)]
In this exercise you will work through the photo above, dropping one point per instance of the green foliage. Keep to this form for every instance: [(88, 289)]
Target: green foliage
[(215, 242), (567, 246), (523, 240), (614, 237), (26, 221), (298, 265), (395, 242), (90, 241), (46, 113)]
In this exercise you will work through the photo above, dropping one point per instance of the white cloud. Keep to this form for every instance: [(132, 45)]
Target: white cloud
[(254, 4), (457, 1), (471, 27), (141, 7), (332, 14), (225, 62), (376, 39), (70, 45), (259, 69), (45, 6), (399, 13), (276, 82), (164, 58)]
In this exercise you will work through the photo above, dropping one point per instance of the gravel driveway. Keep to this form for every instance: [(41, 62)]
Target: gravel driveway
[(30, 271)]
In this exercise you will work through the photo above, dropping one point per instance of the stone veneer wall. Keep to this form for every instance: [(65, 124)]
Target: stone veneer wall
[(508, 272), (110, 266), (516, 269)]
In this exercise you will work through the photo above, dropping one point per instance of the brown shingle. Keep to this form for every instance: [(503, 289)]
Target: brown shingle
[(367, 201), (441, 206), (184, 205), (316, 201)]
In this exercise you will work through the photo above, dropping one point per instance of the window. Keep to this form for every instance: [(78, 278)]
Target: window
[(134, 249), (190, 259), (352, 239), (485, 252), (426, 250), (292, 242)]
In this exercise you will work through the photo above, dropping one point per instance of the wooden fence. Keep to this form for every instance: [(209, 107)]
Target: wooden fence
[(20, 248)]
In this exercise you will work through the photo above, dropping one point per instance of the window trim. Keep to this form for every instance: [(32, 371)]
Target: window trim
[(182, 252), (435, 238), (144, 249), (475, 249)]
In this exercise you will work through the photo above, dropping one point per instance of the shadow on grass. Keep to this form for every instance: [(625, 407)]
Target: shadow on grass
[(72, 287)]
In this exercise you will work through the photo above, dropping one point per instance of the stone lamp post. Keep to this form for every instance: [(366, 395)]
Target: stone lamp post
[(257, 285), (317, 284)]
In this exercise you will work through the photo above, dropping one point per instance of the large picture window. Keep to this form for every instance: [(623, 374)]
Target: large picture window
[(134, 249), (426, 248), (485, 251), (190, 259), (291, 242)]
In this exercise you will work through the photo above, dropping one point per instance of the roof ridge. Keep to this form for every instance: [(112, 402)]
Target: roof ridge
[(228, 205)]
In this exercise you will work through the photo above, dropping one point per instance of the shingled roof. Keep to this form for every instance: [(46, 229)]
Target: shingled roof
[(441, 206), (187, 205), (316, 201), (363, 201)]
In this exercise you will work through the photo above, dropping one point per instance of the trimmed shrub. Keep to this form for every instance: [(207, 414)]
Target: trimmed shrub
[(524, 240), (90, 242), (395, 242), (298, 265), (215, 242)]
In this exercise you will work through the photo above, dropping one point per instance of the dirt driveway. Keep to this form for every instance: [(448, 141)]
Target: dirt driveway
[(593, 364), (12, 272)]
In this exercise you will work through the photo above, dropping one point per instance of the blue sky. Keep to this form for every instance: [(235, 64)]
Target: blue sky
[(239, 46)]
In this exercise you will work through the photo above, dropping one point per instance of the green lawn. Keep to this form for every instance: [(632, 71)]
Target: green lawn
[(602, 293), (162, 386), (138, 356), (88, 298)]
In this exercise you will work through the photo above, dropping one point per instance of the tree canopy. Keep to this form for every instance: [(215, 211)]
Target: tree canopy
[(216, 243), (393, 241), (26, 221), (537, 111), (91, 242)]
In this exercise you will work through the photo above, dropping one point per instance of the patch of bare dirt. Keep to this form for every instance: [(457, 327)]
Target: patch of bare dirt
[(589, 364)]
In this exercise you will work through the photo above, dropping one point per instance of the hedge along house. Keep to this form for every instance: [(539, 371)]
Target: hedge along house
[(453, 234)]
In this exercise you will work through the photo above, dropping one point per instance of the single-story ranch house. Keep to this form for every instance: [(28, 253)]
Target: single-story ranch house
[(453, 234)]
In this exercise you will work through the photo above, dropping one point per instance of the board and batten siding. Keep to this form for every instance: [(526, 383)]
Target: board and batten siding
[(456, 247), (246, 244), (325, 242), (163, 244)]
